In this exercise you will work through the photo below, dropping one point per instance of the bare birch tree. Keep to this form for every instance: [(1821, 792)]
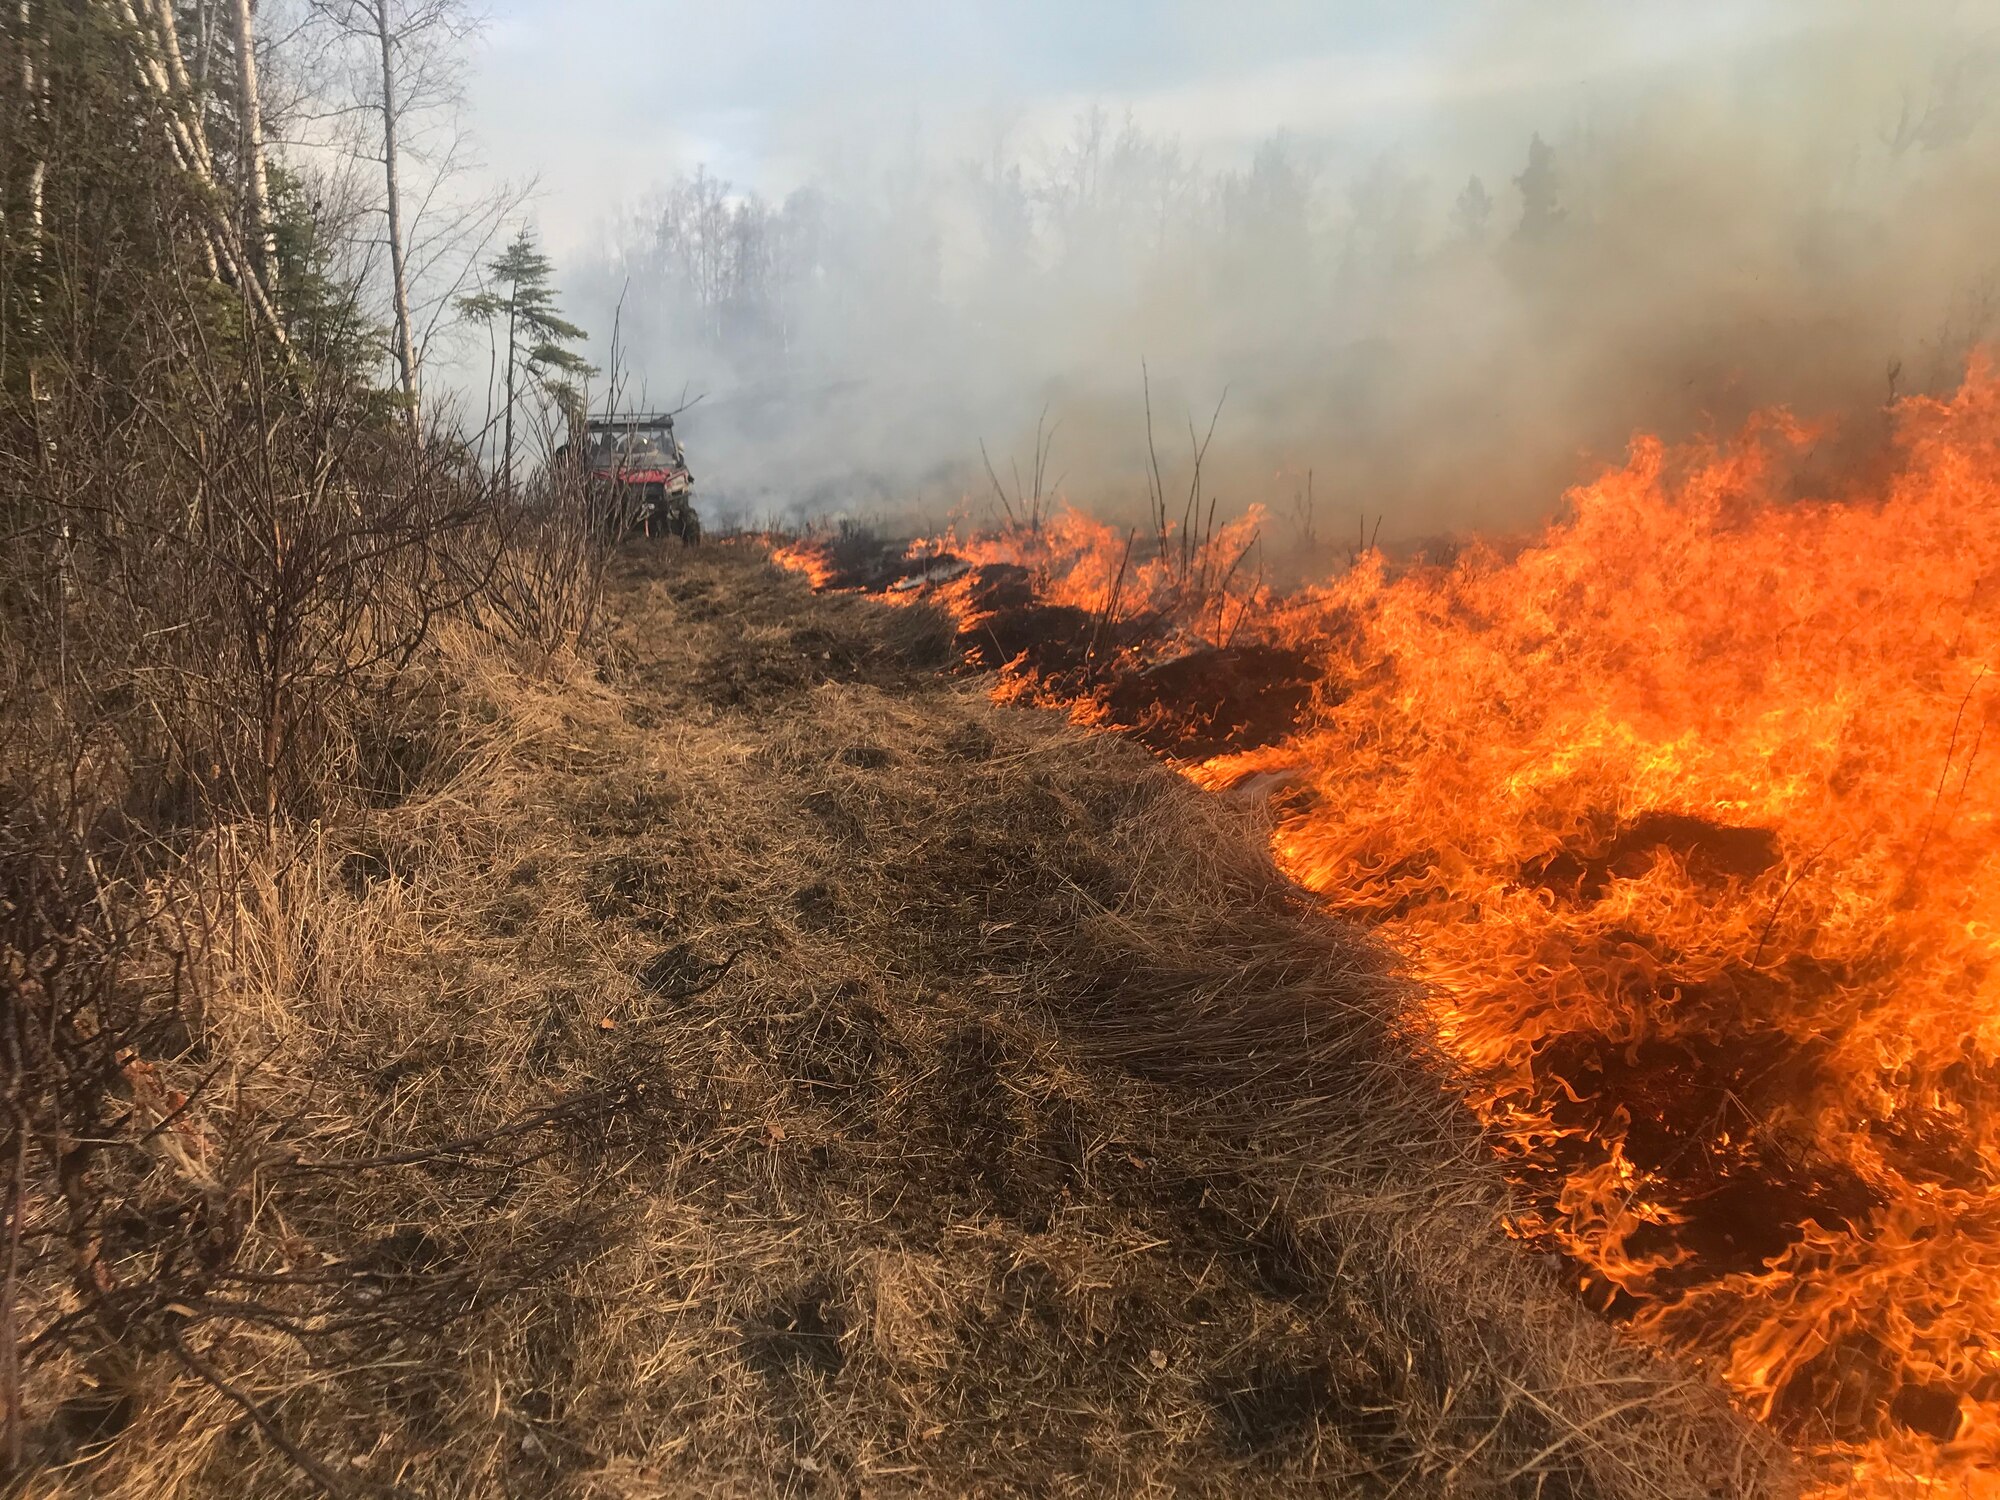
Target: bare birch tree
[(28, 112), (392, 191), (250, 120), (160, 70), (38, 166), (405, 68)]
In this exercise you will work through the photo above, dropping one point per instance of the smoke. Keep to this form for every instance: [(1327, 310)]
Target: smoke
[(1442, 281)]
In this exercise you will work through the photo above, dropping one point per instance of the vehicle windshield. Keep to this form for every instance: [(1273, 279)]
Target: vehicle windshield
[(633, 450)]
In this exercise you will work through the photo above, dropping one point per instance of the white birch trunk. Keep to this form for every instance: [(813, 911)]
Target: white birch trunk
[(257, 185), (406, 352), (38, 168), (160, 70)]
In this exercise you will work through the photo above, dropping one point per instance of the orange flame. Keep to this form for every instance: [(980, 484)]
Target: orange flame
[(802, 556), (1079, 561), (1687, 819)]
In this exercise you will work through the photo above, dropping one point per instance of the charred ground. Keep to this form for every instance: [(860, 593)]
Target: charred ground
[(934, 1099)]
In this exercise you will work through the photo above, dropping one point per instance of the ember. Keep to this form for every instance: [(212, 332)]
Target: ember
[(1682, 816)]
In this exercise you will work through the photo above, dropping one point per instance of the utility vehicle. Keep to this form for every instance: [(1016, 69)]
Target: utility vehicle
[(642, 470)]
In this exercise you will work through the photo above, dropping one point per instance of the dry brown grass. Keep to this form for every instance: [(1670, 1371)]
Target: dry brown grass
[(948, 1103)]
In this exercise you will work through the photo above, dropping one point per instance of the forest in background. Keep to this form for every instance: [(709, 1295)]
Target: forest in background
[(1808, 222)]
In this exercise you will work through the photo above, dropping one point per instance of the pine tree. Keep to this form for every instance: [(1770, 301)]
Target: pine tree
[(323, 315), (1471, 213), (1541, 192), (536, 331)]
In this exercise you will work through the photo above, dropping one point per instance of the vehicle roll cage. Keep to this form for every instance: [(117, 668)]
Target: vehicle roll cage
[(637, 421)]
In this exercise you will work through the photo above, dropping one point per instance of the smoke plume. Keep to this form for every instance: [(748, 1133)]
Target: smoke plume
[(1434, 296)]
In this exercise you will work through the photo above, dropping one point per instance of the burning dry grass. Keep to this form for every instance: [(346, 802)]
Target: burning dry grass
[(779, 1070)]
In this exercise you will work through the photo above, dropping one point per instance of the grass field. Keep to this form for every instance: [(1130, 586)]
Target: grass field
[(757, 1064)]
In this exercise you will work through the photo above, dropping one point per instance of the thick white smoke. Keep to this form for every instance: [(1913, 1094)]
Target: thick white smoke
[(1443, 312)]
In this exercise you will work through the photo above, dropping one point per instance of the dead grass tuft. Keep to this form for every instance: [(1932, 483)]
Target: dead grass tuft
[(769, 1068)]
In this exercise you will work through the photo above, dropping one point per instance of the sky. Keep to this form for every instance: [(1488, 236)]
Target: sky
[(1740, 228), (600, 101)]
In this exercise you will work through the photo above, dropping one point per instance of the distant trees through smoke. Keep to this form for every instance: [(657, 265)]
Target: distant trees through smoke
[(1436, 346)]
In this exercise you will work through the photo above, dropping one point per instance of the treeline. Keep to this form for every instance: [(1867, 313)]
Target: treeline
[(1431, 342), (243, 564)]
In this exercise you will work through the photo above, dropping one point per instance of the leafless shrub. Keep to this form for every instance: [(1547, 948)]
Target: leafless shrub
[(227, 573), (1198, 562), (547, 584), (96, 982), (1028, 507)]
